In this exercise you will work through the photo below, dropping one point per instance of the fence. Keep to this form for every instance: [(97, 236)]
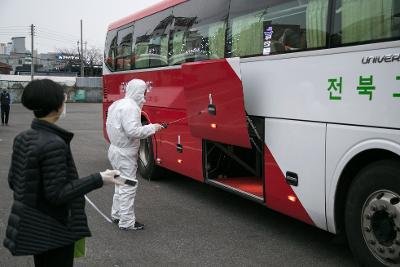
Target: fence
[(86, 89)]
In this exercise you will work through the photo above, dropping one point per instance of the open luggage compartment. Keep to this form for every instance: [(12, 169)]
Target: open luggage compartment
[(233, 142), (237, 168)]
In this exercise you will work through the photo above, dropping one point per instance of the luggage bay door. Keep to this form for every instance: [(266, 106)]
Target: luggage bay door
[(214, 100)]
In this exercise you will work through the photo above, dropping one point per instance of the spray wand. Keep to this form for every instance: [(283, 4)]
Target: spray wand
[(166, 124)]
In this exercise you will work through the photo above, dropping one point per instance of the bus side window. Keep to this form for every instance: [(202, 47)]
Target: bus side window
[(177, 55), (124, 48), (366, 21), (110, 50), (247, 34), (273, 27), (199, 31), (158, 45), (151, 40)]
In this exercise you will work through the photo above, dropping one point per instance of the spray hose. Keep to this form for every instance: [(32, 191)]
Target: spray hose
[(166, 124)]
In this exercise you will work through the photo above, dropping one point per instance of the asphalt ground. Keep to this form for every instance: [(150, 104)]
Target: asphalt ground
[(187, 223)]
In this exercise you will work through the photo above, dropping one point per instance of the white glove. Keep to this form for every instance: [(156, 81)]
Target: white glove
[(109, 177), (157, 127)]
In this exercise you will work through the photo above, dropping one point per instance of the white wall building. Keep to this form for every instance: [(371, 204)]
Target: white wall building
[(18, 45), (3, 48), (8, 48)]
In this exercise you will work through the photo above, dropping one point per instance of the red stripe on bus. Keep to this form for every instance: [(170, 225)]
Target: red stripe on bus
[(278, 191)]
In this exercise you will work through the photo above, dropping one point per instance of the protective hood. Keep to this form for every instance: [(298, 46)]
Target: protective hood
[(135, 90)]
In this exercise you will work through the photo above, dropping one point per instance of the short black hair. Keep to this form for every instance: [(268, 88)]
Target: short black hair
[(43, 97)]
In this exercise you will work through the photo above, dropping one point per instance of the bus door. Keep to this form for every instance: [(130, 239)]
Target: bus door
[(232, 156)]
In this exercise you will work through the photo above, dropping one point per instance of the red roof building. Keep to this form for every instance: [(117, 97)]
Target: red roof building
[(5, 68)]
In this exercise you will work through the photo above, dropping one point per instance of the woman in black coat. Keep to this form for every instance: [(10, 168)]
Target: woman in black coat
[(48, 213)]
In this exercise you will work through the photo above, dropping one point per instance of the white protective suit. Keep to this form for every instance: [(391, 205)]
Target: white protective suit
[(124, 129)]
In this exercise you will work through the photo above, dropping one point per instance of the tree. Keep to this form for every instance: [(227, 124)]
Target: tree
[(93, 59), (69, 59)]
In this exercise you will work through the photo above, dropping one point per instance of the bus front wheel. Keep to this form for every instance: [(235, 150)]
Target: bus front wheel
[(372, 214)]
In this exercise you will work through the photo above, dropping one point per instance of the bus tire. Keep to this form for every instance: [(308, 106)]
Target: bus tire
[(372, 214), (147, 166)]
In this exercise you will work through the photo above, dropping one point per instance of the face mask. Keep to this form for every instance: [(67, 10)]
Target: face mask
[(64, 112)]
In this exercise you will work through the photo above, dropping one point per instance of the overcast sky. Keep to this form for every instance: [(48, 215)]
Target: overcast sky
[(57, 22)]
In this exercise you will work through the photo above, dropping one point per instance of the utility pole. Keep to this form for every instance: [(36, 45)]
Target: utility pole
[(32, 64), (82, 67)]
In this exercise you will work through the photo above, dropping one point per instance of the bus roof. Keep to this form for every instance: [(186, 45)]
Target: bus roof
[(160, 6)]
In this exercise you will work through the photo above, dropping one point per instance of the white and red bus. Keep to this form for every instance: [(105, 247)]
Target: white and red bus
[(294, 104)]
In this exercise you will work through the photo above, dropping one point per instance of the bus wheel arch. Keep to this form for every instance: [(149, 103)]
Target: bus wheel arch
[(147, 166), (365, 209), (348, 174)]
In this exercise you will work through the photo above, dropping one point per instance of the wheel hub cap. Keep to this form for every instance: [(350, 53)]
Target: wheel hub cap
[(381, 226)]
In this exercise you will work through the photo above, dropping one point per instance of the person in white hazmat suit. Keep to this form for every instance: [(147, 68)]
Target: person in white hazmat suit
[(124, 129)]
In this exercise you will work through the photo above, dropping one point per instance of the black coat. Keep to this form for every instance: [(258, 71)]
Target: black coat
[(43, 176), (5, 99)]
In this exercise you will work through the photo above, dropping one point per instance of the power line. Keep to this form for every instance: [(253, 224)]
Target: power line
[(41, 42), (42, 36), (55, 39), (61, 33), (50, 37), (58, 36), (75, 37), (49, 34), (9, 34), (14, 27), (13, 32)]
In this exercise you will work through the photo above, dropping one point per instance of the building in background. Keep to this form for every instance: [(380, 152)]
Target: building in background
[(61, 63), (14, 55), (18, 45), (8, 48), (3, 48), (14, 60), (5, 68), (48, 61)]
